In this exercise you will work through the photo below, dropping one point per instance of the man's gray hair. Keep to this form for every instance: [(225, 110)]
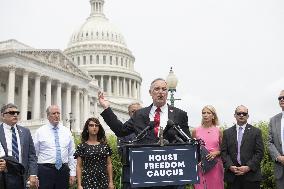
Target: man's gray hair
[(158, 79), (6, 106), (241, 106), (48, 108)]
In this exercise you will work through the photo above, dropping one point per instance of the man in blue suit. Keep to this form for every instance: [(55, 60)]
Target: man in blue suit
[(17, 141)]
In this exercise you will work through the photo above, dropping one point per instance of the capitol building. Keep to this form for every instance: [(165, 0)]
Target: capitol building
[(96, 59)]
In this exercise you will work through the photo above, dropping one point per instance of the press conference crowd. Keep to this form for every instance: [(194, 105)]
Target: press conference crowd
[(49, 159)]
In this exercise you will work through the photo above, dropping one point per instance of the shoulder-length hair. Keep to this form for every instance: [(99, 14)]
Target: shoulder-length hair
[(215, 120), (101, 134)]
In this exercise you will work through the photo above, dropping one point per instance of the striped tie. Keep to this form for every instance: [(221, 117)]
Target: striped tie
[(15, 149), (58, 160)]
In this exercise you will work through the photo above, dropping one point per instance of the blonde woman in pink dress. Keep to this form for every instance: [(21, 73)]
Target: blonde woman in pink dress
[(212, 136)]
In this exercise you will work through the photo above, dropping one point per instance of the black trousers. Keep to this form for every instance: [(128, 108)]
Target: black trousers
[(51, 178), (11, 181), (240, 182)]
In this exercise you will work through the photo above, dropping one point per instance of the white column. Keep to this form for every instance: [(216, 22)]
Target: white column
[(86, 106), (117, 86), (68, 101), (11, 85), (102, 83), (121, 87), (24, 99), (77, 111), (58, 95), (138, 89), (36, 106), (95, 107), (48, 93), (124, 87), (109, 86), (135, 89), (130, 88), (87, 59)]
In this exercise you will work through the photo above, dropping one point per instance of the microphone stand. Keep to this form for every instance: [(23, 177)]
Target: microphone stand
[(161, 137), (182, 133)]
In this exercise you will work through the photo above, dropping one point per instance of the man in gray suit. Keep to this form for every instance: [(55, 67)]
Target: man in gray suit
[(17, 141), (276, 143)]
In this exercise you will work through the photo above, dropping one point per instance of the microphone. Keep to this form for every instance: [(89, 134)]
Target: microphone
[(172, 136), (150, 126), (178, 129)]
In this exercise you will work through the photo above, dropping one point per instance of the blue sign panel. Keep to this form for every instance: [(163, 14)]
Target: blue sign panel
[(162, 166)]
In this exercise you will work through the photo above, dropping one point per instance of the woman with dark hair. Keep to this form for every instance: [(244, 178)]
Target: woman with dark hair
[(94, 167)]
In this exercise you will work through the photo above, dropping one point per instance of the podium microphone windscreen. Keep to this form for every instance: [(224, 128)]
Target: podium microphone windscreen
[(172, 136), (169, 125)]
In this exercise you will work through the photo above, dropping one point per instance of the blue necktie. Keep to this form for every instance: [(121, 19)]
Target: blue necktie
[(240, 136), (58, 160), (15, 149)]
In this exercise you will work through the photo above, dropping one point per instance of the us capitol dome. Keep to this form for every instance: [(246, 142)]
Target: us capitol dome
[(99, 48)]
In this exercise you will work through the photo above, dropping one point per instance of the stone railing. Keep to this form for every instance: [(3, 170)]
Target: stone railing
[(33, 125)]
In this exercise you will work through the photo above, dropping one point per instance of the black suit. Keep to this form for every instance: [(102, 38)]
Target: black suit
[(251, 153), (140, 120)]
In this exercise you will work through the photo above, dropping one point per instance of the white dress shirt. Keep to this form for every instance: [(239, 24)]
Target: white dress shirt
[(46, 149), (163, 115), (243, 130), (8, 136)]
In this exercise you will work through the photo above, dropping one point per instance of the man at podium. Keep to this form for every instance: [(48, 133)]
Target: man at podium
[(159, 112)]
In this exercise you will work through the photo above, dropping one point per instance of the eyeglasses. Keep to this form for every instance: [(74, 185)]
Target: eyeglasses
[(12, 112), (242, 113), (281, 98)]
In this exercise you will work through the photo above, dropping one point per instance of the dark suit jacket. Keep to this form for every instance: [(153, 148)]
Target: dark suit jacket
[(29, 159), (251, 152), (140, 120)]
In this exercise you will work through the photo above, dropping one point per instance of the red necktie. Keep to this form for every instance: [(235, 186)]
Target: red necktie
[(157, 121)]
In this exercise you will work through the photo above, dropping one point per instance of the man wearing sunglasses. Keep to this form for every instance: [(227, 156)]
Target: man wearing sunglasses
[(276, 142), (16, 141), (242, 152)]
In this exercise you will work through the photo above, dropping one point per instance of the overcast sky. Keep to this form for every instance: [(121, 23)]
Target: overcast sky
[(224, 52)]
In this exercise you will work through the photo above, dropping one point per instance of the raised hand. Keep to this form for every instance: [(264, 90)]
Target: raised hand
[(103, 102)]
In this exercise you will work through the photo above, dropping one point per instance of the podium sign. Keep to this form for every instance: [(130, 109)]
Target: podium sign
[(162, 166)]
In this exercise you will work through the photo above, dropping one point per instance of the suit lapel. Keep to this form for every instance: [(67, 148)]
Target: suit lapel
[(146, 114), (234, 136), (3, 139), (21, 136), (278, 127), (246, 133), (171, 113)]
